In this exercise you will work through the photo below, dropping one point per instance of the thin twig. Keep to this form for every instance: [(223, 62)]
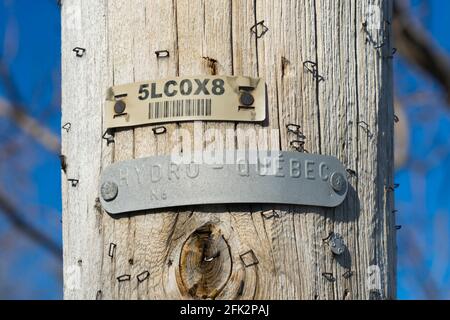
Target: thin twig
[(15, 218), (417, 46), (31, 126), (19, 116)]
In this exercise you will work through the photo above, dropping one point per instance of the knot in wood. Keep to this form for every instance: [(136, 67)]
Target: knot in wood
[(205, 263)]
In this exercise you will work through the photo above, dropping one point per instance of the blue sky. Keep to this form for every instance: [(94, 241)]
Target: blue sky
[(33, 55), (34, 60), (423, 199)]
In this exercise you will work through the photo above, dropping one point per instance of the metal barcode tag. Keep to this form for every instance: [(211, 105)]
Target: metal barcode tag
[(207, 98)]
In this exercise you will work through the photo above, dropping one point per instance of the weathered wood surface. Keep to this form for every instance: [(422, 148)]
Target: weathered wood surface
[(345, 110)]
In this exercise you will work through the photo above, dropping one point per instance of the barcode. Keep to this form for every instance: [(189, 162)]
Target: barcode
[(180, 108)]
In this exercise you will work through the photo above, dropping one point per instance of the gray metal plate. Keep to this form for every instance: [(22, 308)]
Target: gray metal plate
[(282, 178)]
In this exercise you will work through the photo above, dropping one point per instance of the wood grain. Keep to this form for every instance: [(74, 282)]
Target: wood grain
[(327, 70)]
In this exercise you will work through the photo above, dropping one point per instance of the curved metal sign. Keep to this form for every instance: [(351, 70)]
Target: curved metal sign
[(278, 178)]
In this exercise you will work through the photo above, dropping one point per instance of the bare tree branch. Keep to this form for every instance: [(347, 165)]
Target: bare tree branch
[(417, 46), (30, 126), (417, 258), (16, 219), (18, 115), (13, 109), (401, 136)]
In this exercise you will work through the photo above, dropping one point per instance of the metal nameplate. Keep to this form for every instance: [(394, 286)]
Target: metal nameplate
[(286, 178), (208, 98)]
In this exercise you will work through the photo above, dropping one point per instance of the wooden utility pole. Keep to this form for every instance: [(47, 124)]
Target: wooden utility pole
[(328, 69)]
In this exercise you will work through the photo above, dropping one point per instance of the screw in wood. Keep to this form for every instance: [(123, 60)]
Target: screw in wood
[(337, 182)]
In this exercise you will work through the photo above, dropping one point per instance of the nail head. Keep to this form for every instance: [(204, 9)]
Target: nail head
[(109, 191), (338, 182), (119, 107), (247, 99)]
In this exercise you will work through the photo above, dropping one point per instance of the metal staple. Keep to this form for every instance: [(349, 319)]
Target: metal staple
[(79, 51), (254, 29), (254, 260)]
